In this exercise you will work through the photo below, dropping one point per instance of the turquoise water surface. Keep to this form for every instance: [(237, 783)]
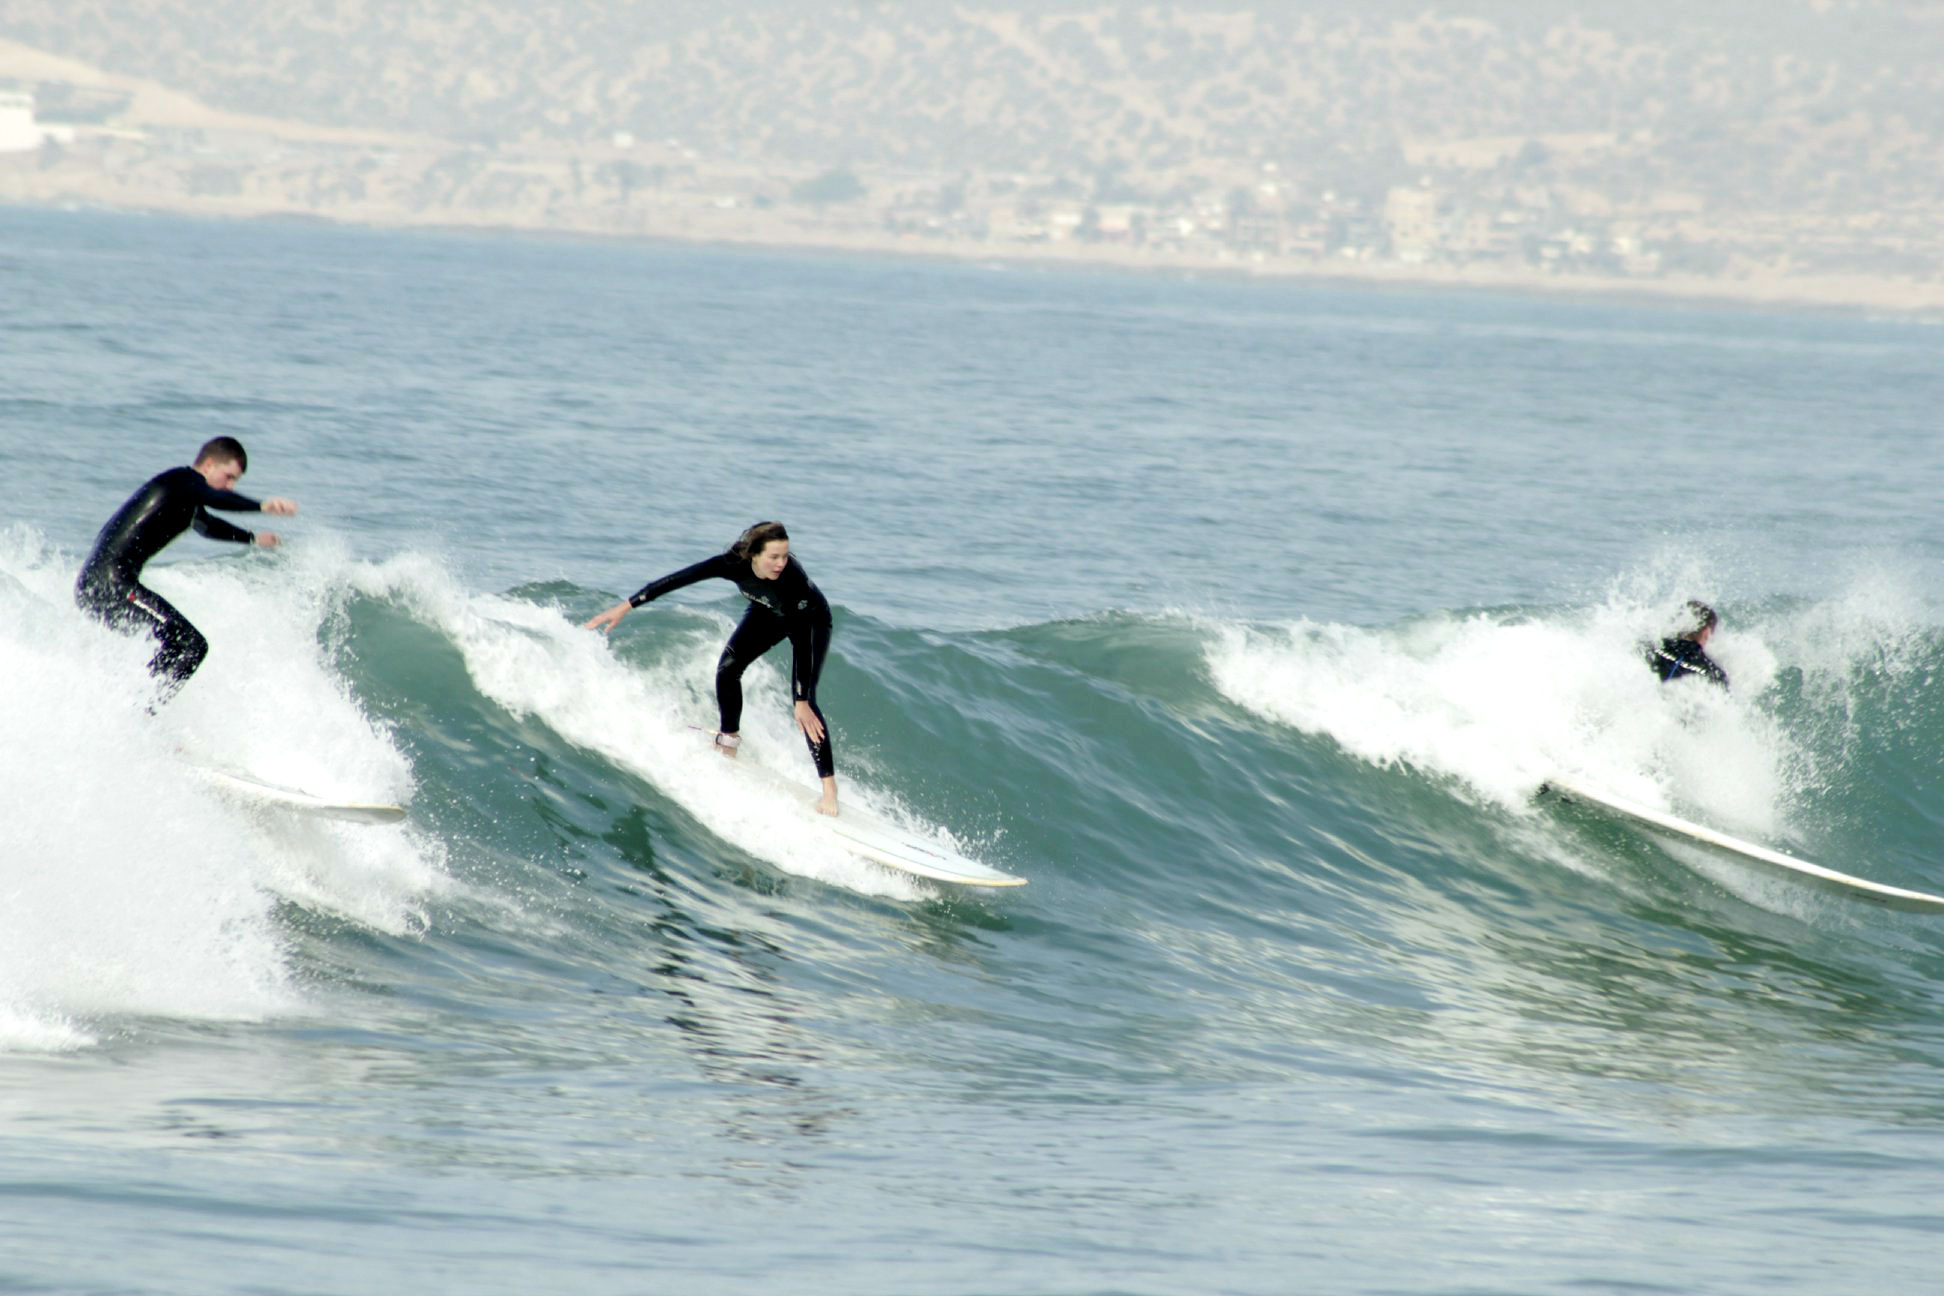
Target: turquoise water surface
[(1245, 619)]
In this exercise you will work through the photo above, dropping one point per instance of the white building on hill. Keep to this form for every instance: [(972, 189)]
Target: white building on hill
[(18, 131)]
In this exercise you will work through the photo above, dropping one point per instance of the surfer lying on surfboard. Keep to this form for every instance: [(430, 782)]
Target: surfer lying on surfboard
[(1683, 655), (782, 604), (169, 503)]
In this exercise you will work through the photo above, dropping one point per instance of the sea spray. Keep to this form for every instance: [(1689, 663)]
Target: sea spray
[(1496, 701), (133, 886)]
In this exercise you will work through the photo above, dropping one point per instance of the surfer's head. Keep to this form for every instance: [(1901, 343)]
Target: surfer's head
[(221, 461), (765, 547), (1701, 621)]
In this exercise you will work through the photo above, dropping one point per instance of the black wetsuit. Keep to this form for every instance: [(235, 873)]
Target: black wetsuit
[(110, 585), (787, 607), (1678, 658)]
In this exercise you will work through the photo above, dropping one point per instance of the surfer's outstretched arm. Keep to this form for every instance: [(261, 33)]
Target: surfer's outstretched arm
[(208, 496), (210, 527), (719, 565)]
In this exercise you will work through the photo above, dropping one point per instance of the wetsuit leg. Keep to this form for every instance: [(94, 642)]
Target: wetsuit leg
[(811, 643), (757, 633), (180, 646), (183, 646)]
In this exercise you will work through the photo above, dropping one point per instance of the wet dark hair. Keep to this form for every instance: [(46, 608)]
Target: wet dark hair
[(1702, 616), (226, 450), (751, 542)]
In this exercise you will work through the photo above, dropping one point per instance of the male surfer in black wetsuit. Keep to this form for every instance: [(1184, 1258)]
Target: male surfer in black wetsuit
[(782, 604), (1683, 654), (110, 586)]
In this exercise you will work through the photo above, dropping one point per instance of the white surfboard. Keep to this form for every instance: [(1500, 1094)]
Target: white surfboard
[(862, 833), (254, 790), (1858, 888), (865, 835)]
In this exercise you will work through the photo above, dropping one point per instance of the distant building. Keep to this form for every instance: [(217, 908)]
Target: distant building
[(1411, 220), (19, 133), (1008, 224), (1065, 221), (1116, 222), (1261, 231)]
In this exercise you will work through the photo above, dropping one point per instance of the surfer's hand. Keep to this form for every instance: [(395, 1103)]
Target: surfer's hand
[(266, 540), (280, 506), (606, 621), (807, 721)]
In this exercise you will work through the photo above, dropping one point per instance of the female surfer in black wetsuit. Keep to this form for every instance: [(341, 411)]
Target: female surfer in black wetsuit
[(782, 604)]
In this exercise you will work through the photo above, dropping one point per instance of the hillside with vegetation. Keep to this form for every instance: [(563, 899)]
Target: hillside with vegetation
[(1797, 135)]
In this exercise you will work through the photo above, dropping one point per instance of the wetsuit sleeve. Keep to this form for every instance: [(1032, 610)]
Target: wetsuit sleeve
[(216, 528), (208, 496), (1709, 668), (721, 565), (806, 658), (809, 641)]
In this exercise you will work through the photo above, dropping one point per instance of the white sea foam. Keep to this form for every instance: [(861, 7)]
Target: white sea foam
[(534, 661), (1499, 702), (131, 886)]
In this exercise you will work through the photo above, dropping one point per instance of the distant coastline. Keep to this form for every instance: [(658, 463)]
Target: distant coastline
[(1848, 295), (1641, 161)]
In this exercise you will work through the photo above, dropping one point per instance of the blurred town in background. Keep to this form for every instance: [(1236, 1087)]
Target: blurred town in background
[(1788, 151)]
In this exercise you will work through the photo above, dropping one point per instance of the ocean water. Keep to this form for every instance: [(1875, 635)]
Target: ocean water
[(1245, 619)]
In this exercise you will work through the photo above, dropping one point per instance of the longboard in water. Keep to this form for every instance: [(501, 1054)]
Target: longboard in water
[(271, 794), (887, 844), (869, 837), (1844, 883)]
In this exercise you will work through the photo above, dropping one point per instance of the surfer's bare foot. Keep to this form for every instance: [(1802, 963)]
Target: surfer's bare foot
[(727, 743), (828, 806)]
